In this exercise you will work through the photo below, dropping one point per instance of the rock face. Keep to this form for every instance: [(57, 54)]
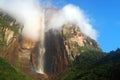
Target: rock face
[(18, 53), (56, 58)]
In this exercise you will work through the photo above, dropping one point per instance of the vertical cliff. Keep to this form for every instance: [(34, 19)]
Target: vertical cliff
[(56, 55)]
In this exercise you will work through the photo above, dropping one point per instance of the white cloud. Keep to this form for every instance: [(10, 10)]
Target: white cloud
[(26, 12), (30, 14), (75, 15)]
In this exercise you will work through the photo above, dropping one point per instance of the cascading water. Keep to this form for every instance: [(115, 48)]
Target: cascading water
[(40, 67)]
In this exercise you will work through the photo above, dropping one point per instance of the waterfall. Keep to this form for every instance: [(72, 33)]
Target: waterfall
[(41, 60), (40, 67)]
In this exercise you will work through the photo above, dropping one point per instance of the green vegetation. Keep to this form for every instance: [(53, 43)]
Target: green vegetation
[(7, 23), (92, 65), (7, 72), (68, 35)]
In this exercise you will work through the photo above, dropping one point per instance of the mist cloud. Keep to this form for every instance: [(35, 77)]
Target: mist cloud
[(75, 15), (31, 13), (26, 12)]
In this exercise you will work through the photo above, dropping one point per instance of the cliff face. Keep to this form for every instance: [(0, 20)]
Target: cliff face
[(56, 55), (60, 47)]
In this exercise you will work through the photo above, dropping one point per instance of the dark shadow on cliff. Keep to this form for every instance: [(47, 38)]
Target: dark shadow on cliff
[(56, 59)]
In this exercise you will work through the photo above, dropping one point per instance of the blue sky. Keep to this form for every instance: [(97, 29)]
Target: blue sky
[(105, 18)]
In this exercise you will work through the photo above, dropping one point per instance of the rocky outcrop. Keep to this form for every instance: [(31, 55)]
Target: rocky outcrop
[(76, 42)]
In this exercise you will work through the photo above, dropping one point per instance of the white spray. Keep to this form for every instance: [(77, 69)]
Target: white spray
[(41, 47), (26, 12)]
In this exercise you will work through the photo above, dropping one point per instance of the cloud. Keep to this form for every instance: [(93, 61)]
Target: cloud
[(27, 12), (31, 13), (77, 16), (72, 14)]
